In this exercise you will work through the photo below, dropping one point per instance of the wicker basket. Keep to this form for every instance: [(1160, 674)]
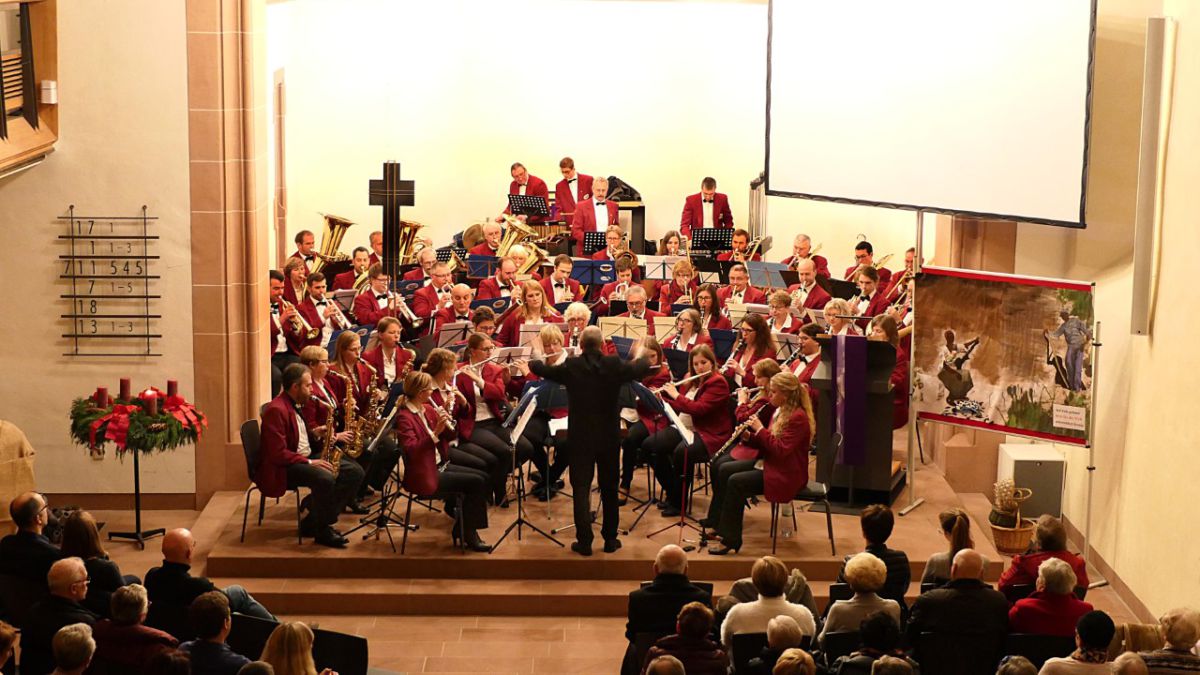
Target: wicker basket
[(1013, 540)]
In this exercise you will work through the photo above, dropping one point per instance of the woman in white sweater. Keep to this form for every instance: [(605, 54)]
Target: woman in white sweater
[(770, 577)]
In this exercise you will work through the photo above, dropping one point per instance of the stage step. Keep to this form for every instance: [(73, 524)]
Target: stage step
[(458, 597)]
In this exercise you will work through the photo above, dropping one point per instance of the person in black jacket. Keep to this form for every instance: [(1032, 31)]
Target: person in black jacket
[(969, 612), (81, 539), (654, 608), (27, 553), (877, 522), (68, 582), (173, 584), (593, 383)]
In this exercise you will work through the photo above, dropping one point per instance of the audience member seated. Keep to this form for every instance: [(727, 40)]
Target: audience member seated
[(877, 522), (795, 662), (1050, 542), (783, 633), (1093, 633), (8, 643), (170, 662), (880, 635), (956, 528), (253, 668), (81, 539), (1180, 629), (796, 590), (690, 643), (123, 643), (27, 553), (1129, 663), (1016, 665), (289, 650), (665, 665), (211, 619), (1053, 608), (769, 575), (68, 584), (655, 607), (73, 648), (173, 583), (892, 665), (965, 605), (866, 574)]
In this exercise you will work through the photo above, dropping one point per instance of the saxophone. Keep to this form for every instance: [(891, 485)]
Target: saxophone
[(330, 451), (368, 423), (350, 421)]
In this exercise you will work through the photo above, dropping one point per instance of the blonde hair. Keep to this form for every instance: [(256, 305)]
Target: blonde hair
[(780, 299), (865, 573), (313, 354), (1180, 627), (289, 649), (550, 335), (532, 286), (796, 396), (838, 306), (415, 383), (682, 266), (438, 360), (795, 661), (767, 368), (384, 324), (783, 631)]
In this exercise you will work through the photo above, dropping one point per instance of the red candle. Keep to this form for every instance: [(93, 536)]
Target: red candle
[(152, 406), (172, 387), (125, 389), (101, 397)]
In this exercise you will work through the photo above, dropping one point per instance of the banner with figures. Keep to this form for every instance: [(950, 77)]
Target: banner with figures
[(1005, 353)]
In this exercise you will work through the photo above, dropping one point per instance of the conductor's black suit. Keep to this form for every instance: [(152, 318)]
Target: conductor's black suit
[(593, 382)]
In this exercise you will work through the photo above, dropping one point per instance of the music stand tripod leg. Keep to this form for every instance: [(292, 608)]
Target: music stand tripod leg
[(520, 521)]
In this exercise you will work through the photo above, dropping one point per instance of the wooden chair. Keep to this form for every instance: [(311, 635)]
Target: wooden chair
[(250, 448)]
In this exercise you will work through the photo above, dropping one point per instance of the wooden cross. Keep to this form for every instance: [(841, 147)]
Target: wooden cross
[(391, 193)]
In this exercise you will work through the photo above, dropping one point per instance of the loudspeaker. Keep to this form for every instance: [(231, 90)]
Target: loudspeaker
[(1038, 467)]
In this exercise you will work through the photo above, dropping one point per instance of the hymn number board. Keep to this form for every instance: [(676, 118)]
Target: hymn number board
[(105, 274)]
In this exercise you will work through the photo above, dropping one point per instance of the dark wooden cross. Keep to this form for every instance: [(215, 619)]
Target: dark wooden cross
[(391, 193)]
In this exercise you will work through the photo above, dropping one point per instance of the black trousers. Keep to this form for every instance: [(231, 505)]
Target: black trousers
[(669, 450), (493, 437), (631, 449), (474, 489), (738, 481), (605, 465), (720, 471), (280, 361), (472, 456), (537, 433), (378, 464), (329, 496)]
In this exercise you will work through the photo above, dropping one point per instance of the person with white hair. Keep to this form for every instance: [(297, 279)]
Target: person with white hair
[(665, 665), (68, 581), (73, 649), (1180, 629), (635, 301), (654, 608), (125, 643), (1052, 609), (865, 574), (1129, 663), (783, 633)]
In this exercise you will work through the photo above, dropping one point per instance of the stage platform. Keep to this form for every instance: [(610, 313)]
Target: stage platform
[(532, 576)]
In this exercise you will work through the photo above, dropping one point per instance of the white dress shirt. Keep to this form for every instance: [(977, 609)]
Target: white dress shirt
[(302, 448), (708, 213), (280, 341), (520, 189), (601, 209)]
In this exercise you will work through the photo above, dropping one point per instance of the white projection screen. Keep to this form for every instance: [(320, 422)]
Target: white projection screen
[(967, 107)]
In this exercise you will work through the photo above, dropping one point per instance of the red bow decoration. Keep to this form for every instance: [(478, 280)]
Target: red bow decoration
[(185, 412), (118, 425)]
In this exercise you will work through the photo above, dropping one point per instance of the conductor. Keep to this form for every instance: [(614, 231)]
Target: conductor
[(593, 382)]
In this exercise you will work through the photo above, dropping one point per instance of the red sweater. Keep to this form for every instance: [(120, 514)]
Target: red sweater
[(1024, 568), (1047, 614)]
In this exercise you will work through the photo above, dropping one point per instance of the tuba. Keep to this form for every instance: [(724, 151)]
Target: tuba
[(515, 233), (409, 244), (331, 240)]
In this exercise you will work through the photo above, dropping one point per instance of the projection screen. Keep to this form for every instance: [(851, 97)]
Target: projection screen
[(968, 107)]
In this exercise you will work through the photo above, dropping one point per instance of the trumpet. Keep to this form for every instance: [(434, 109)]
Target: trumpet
[(685, 380), (299, 323), (339, 319), (397, 303), (620, 291)]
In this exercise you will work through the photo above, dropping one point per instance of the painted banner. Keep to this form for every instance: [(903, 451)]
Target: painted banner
[(1005, 353)]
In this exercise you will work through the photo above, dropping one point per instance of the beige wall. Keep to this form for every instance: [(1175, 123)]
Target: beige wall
[(124, 143), (1146, 449), (659, 94)]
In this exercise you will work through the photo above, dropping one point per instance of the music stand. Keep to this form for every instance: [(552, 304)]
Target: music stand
[(789, 345), (561, 307), (738, 312), (406, 287), (482, 266), (685, 491), (508, 356), (664, 327), (659, 267), (383, 518), (345, 299), (623, 326), (593, 273), (594, 241), (837, 287), (528, 205), (623, 345), (766, 274), (655, 408), (497, 305), (722, 342), (713, 271), (676, 309), (548, 395), (712, 239), (453, 333), (530, 335), (526, 410), (677, 361)]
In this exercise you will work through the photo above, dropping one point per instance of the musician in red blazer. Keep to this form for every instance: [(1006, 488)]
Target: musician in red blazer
[(361, 261), (296, 274), (575, 187), (559, 286), (707, 201), (756, 343), (802, 250), (290, 458), (648, 423), (781, 319), (706, 400), (384, 353), (864, 256), (804, 365), (491, 241), (533, 310), (810, 295), (594, 213), (784, 444), (418, 430), (739, 289), (376, 242), (682, 287), (305, 249), (708, 303), (459, 309), (635, 300), (871, 302), (424, 270), (524, 183), (430, 298), (741, 246), (499, 285), (689, 332)]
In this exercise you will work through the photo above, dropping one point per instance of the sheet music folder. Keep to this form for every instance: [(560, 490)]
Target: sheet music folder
[(594, 273)]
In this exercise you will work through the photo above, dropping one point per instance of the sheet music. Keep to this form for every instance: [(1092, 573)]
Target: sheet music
[(688, 435), (529, 335), (659, 266), (450, 333), (519, 427), (623, 326), (557, 425), (788, 344)]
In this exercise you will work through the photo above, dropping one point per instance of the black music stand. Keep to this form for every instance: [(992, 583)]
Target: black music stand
[(617, 307), (722, 342), (837, 287), (453, 333), (660, 268), (712, 239), (655, 407), (766, 274), (497, 305), (685, 488), (482, 266), (593, 273), (548, 395), (406, 287), (708, 268), (623, 345), (528, 205), (594, 241), (520, 415), (677, 361)]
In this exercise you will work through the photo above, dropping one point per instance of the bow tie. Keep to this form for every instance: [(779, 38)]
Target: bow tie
[(274, 308), (309, 258), (298, 407), (804, 359), (570, 180), (864, 298), (463, 317), (707, 201), (636, 316), (381, 296), (560, 284), (321, 303), (599, 202)]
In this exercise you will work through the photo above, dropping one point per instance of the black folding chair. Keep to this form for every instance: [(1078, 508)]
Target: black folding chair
[(250, 448), (342, 653), (1038, 648), (746, 646), (248, 635), (837, 645), (945, 653), (838, 592)]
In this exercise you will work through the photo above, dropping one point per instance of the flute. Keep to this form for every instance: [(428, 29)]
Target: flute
[(683, 381)]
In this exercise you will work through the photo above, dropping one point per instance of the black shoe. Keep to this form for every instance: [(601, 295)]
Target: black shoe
[(611, 545), (329, 537), (661, 506), (671, 511), (724, 550), (558, 484), (305, 503), (535, 476), (357, 509), (474, 543), (626, 485), (581, 549), (622, 500)]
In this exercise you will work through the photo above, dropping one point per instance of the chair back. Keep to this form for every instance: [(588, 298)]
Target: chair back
[(248, 635), (342, 653), (171, 619), (746, 646), (837, 645), (635, 654), (945, 653), (250, 440), (838, 592), (1018, 592), (17, 596), (927, 586), (826, 458), (1038, 648)]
